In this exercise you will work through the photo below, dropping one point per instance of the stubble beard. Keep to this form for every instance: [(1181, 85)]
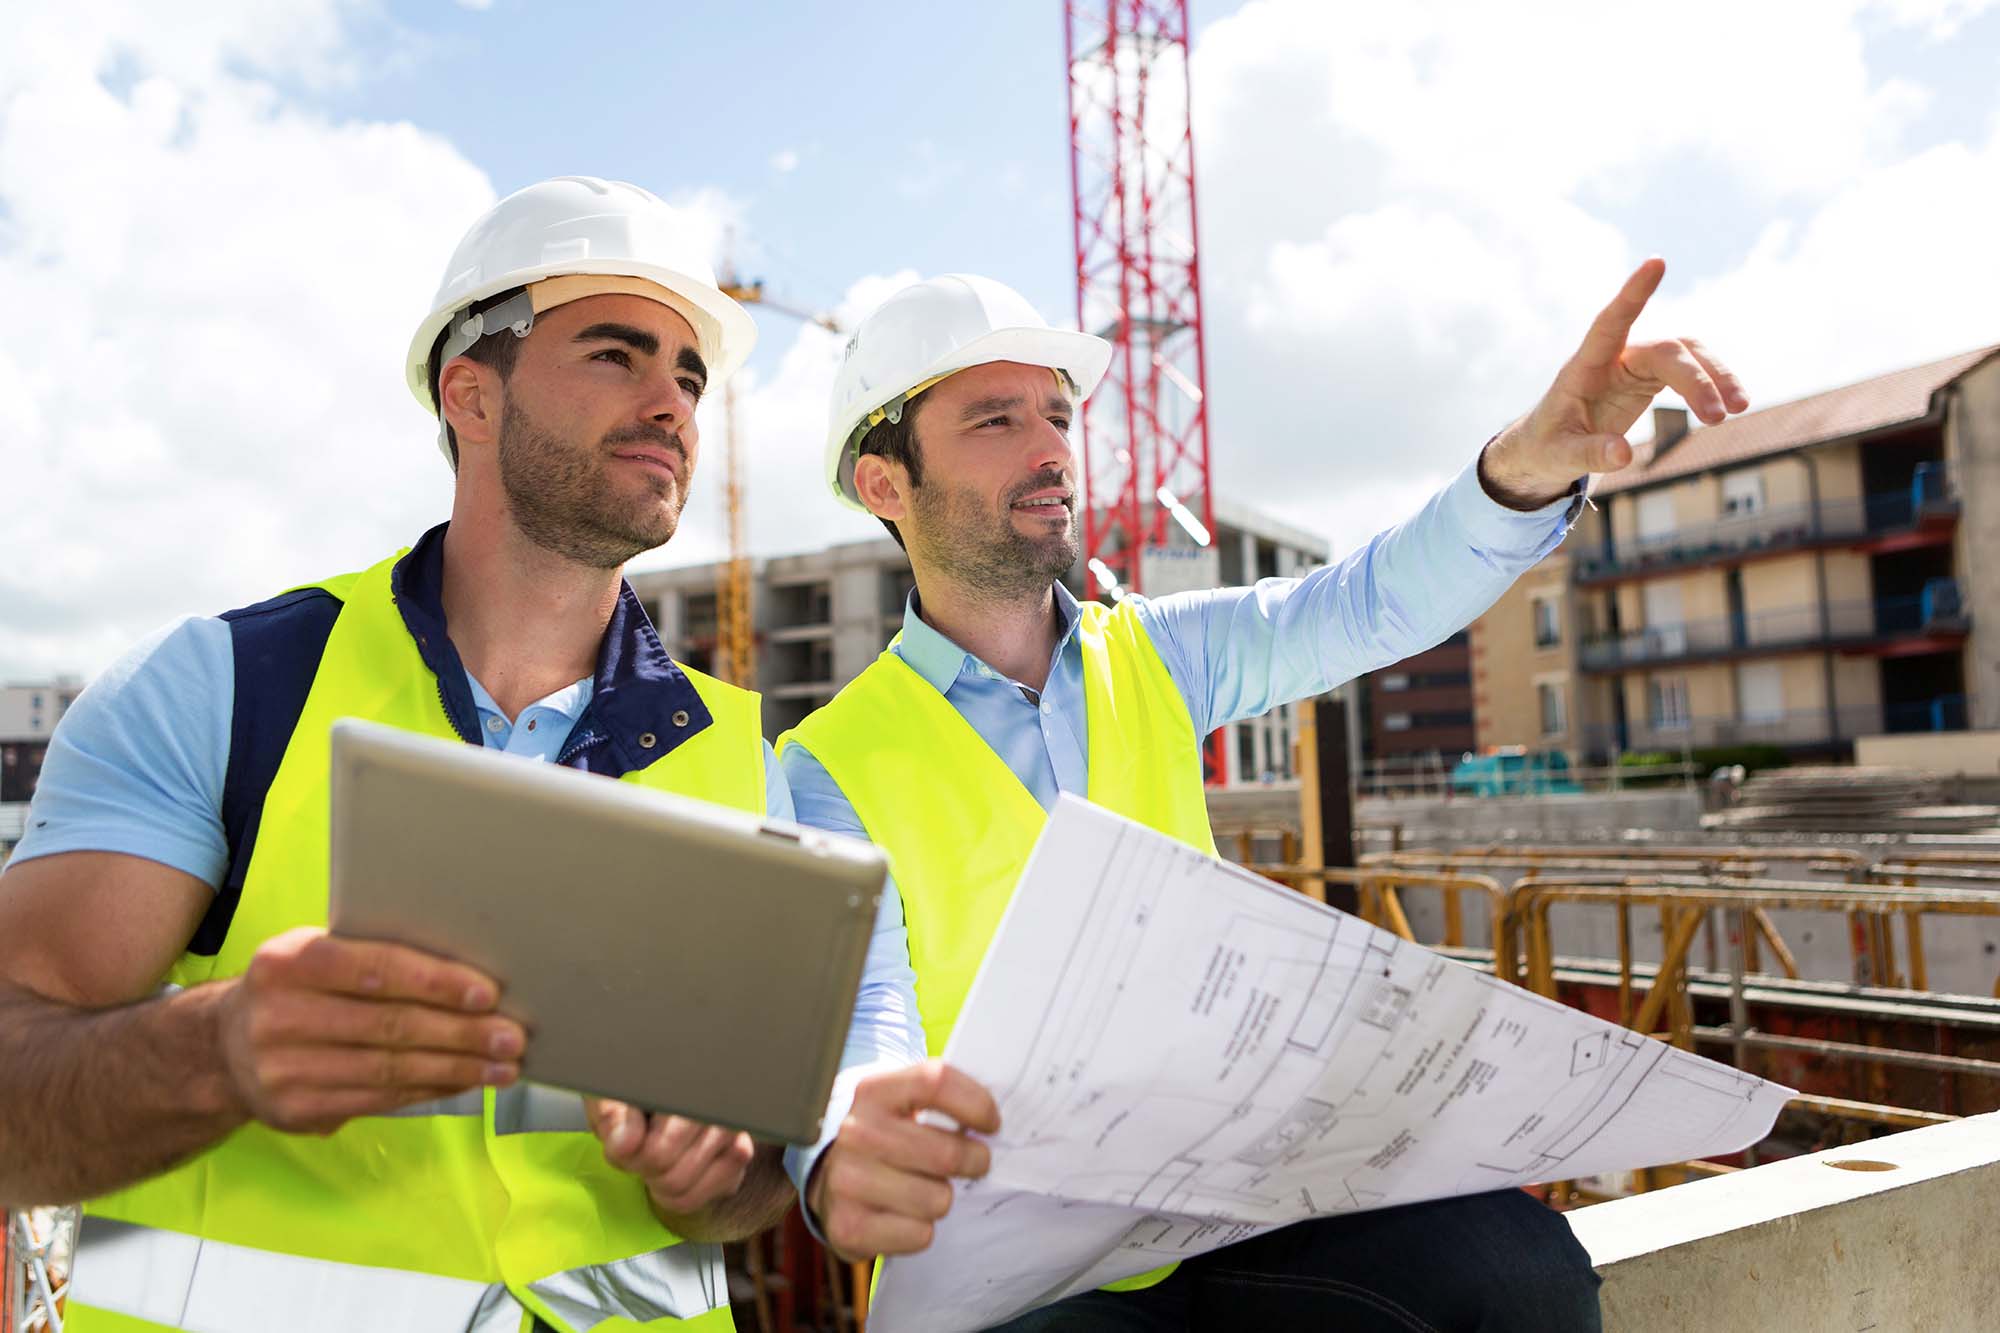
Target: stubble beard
[(563, 500), (986, 553)]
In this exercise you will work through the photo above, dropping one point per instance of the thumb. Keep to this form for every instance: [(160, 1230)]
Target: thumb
[(1603, 453), (614, 1123)]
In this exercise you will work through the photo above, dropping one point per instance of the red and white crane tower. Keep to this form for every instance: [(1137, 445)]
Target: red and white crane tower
[(1144, 433)]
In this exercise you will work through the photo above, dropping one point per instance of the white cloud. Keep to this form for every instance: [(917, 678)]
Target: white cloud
[(1896, 269), (210, 289), (1411, 212), (785, 160), (478, 5)]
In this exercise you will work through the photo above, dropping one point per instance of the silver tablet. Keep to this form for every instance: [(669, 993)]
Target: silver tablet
[(669, 953)]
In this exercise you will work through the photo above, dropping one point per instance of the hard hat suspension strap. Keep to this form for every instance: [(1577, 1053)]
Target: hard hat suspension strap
[(516, 314)]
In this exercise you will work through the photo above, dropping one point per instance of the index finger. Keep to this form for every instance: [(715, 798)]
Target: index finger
[(376, 970), (937, 1086), (1613, 324)]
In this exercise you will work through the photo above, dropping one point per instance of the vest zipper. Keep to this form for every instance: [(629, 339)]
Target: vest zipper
[(445, 708)]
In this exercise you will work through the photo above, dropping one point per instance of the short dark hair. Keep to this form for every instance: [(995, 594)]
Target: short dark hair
[(897, 442), (492, 350)]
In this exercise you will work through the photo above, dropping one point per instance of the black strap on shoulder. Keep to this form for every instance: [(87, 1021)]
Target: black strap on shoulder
[(277, 647)]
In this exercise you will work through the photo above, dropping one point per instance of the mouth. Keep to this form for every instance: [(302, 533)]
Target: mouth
[(659, 461), (1048, 504)]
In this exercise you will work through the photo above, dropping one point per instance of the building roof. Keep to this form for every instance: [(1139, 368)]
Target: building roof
[(1887, 400)]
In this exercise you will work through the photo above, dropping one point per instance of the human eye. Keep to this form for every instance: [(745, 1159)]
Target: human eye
[(616, 356)]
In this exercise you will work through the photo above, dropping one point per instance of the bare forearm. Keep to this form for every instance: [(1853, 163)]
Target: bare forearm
[(762, 1201), (95, 1099)]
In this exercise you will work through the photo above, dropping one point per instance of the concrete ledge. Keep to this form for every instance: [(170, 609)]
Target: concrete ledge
[(1891, 1234)]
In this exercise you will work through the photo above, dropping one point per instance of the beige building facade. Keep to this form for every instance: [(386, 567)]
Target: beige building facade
[(1798, 577), (1524, 680)]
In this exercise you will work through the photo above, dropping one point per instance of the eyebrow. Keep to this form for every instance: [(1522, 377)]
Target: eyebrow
[(641, 341), (636, 338), (986, 407)]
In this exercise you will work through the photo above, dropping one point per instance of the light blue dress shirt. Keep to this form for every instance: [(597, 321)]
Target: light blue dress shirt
[(1234, 653)]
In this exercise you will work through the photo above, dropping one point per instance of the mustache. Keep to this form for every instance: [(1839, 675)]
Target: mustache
[(648, 434), (1042, 481)]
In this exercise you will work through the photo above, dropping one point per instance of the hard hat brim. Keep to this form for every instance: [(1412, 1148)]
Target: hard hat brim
[(725, 344), (1083, 357)]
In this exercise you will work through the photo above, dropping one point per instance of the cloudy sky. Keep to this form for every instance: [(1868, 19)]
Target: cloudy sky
[(219, 222)]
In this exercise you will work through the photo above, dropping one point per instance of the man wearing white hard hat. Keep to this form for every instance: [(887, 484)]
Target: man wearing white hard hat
[(951, 423), (273, 1128)]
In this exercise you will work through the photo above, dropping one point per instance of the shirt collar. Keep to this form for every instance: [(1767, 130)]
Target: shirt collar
[(940, 661), (641, 704)]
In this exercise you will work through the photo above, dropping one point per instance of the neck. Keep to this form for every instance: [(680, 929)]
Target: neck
[(525, 621), (1015, 636)]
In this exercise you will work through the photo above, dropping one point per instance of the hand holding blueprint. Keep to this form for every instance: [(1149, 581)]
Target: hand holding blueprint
[(1186, 1054)]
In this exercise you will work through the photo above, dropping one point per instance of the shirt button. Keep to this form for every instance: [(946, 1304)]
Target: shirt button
[(680, 717), (647, 740), (494, 724), (531, 724)]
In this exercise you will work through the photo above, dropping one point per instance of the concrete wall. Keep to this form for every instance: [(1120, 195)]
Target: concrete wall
[(1969, 752), (1530, 818), (1972, 445), (1892, 1234)]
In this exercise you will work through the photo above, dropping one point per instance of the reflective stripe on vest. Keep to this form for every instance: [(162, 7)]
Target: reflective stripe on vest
[(958, 824), (479, 1190), (181, 1281)]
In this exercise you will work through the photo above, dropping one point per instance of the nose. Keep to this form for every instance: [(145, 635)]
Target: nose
[(1052, 449), (669, 402)]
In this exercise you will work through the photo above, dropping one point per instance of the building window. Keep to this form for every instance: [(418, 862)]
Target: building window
[(1667, 703), (1742, 494), (1452, 717), (1395, 722), (1656, 517), (1554, 722), (1760, 691), (1395, 680), (1548, 622)]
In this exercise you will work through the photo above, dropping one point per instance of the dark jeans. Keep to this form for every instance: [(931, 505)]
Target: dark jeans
[(1490, 1263)]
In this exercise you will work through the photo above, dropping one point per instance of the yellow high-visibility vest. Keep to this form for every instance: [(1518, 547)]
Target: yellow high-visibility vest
[(469, 1213), (956, 822)]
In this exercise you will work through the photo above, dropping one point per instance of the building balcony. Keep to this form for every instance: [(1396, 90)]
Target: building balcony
[(1795, 728), (1924, 511), (1933, 618)]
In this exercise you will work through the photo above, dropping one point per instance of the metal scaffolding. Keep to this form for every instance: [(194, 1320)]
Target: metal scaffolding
[(1144, 433)]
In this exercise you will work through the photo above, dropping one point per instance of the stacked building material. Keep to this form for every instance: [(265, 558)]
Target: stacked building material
[(1874, 800)]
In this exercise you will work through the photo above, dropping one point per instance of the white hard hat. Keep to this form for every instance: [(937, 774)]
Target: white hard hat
[(594, 236), (934, 329)]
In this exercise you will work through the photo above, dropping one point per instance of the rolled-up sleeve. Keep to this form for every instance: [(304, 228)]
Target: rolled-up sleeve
[(1239, 652)]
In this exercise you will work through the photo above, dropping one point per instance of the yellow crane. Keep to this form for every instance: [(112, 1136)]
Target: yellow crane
[(736, 640)]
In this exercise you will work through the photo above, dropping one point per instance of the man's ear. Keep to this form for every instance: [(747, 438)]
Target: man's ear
[(469, 396), (883, 486)]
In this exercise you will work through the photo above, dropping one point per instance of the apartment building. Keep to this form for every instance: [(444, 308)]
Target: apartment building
[(821, 616), (1798, 577), (28, 717), (1418, 715), (1523, 652)]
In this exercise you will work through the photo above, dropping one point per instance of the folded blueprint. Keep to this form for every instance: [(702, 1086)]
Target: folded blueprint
[(1186, 1054)]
